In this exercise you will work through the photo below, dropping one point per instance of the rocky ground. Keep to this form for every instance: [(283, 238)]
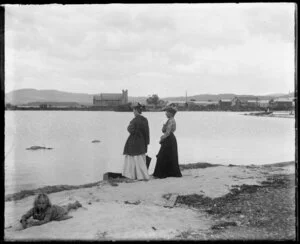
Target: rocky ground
[(264, 212), (210, 202)]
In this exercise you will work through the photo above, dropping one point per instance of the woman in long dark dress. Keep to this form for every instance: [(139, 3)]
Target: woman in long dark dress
[(167, 158), (136, 147)]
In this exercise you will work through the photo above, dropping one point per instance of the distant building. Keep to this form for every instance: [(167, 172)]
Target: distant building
[(111, 99), (27, 106), (282, 103), (252, 103), (205, 103), (244, 102), (194, 105), (178, 104), (54, 104), (264, 103), (225, 104), (237, 103)]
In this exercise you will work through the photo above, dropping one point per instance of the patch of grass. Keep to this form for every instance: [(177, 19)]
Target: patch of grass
[(58, 188), (197, 166), (47, 189)]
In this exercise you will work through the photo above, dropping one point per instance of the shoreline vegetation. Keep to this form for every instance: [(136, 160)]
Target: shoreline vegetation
[(260, 113), (113, 181)]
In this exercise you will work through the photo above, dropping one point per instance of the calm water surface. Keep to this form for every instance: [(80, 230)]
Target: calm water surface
[(215, 137)]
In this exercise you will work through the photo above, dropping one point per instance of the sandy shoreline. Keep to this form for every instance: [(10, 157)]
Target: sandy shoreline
[(57, 188), (139, 210)]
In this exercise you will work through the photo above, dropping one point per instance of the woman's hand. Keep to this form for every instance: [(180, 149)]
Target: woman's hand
[(24, 223), (29, 225), (161, 139), (32, 222)]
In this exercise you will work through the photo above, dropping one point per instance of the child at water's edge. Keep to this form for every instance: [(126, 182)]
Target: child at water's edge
[(43, 212)]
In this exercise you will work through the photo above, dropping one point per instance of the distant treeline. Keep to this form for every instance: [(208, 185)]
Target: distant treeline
[(128, 109)]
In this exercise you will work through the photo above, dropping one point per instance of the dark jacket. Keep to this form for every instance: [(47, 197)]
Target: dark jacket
[(138, 139), (53, 212)]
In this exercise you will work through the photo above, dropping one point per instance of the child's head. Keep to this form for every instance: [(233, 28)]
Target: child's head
[(42, 201)]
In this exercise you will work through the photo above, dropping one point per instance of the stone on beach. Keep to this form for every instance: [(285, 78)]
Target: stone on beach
[(112, 175), (171, 201)]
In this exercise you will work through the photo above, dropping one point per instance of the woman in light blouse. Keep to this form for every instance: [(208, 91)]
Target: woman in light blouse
[(167, 158)]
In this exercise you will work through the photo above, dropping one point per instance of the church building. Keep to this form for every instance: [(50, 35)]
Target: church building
[(111, 99)]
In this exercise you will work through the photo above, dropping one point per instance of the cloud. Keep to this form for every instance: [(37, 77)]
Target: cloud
[(94, 48), (271, 21)]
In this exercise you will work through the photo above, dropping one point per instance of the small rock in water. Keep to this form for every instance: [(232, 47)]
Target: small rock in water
[(38, 147), (135, 203), (95, 141)]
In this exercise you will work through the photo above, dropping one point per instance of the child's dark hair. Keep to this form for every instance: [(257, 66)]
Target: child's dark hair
[(40, 196)]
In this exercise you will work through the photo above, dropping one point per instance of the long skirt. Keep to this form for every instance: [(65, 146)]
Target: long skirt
[(135, 167), (167, 159)]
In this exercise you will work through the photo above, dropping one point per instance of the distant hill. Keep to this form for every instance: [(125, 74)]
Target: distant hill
[(25, 96)]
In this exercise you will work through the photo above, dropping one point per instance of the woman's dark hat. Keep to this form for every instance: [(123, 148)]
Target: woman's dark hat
[(172, 109), (138, 106)]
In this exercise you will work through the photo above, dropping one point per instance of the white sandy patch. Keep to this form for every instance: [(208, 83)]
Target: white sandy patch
[(106, 216), (124, 222)]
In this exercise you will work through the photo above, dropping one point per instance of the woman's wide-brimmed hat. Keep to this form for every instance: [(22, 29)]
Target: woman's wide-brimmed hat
[(138, 106), (171, 108)]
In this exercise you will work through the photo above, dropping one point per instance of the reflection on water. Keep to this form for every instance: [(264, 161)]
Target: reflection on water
[(215, 137)]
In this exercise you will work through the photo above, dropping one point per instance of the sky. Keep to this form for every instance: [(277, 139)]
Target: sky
[(163, 49)]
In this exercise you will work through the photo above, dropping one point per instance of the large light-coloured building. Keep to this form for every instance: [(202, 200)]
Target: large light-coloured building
[(111, 99)]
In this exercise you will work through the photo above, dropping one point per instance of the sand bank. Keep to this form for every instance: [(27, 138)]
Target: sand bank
[(143, 210)]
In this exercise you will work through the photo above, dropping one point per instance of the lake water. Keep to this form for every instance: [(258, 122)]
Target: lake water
[(214, 137)]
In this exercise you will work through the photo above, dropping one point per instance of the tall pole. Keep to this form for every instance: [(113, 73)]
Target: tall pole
[(186, 104)]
